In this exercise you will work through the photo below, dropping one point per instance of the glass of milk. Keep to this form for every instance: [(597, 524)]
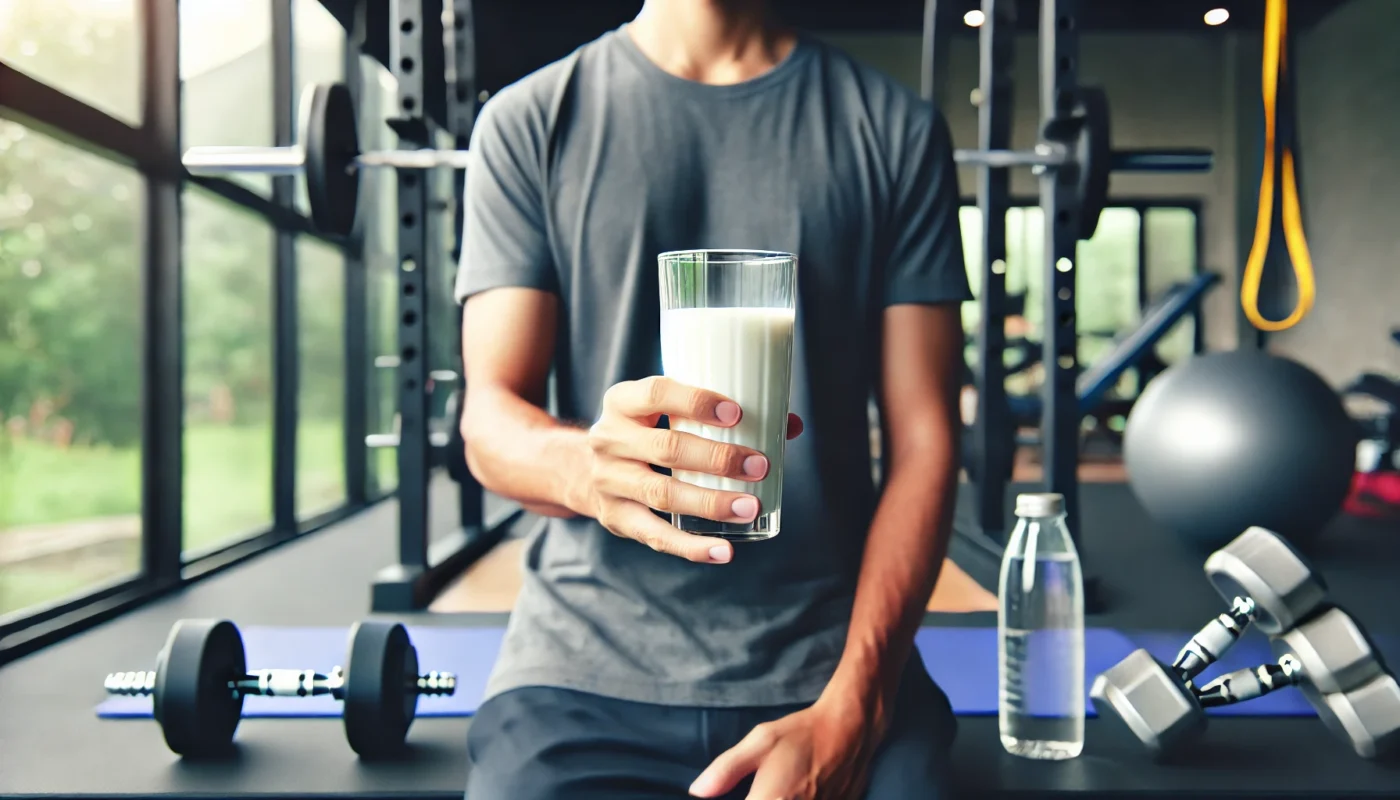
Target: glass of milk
[(727, 326)]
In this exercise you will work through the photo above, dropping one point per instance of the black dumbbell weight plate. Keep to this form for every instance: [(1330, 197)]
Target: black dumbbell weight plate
[(381, 682), (332, 144), (197, 709)]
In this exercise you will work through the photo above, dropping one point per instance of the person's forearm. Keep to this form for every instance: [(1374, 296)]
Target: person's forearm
[(904, 552), (519, 451)]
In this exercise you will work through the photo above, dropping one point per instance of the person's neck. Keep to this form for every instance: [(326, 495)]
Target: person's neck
[(717, 42)]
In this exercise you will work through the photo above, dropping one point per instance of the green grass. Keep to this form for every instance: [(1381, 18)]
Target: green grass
[(227, 496)]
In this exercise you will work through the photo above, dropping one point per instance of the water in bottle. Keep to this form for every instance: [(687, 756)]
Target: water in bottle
[(1040, 625)]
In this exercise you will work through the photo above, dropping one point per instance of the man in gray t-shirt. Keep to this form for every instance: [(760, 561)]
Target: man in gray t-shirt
[(641, 661)]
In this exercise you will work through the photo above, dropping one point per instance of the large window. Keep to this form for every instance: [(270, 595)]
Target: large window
[(1132, 244), (226, 69), (228, 372), (321, 404), (1169, 237), (86, 48), (70, 369)]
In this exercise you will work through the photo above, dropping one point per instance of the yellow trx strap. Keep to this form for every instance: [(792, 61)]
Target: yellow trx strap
[(1275, 27)]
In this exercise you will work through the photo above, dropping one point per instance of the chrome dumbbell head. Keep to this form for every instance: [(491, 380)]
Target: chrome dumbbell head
[(1346, 681), (1261, 565), (1148, 698)]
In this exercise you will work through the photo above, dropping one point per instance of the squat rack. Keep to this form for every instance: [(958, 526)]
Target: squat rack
[(1066, 210)]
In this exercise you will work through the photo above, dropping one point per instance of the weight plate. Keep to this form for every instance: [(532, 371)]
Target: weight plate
[(1093, 149), (197, 709), (331, 141), (381, 688)]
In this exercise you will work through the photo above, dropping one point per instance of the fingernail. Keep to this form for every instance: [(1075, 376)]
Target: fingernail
[(755, 466), (745, 507), (727, 412), (719, 554)]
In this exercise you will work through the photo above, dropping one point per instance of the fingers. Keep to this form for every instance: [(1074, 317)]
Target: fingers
[(677, 450), (630, 480), (794, 428), (734, 764), (654, 396), (635, 521)]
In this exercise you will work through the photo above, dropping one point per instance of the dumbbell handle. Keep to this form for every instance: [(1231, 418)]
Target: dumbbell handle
[(1211, 642), (1249, 683), (278, 683)]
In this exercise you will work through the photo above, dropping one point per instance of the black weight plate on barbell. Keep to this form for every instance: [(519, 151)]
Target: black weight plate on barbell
[(381, 688), (196, 707), (332, 144), (1094, 151)]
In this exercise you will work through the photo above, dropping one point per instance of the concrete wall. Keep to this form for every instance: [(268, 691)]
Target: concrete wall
[(1349, 85), (1185, 90)]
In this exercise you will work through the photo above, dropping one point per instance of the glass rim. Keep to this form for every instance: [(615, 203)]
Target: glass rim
[(731, 256)]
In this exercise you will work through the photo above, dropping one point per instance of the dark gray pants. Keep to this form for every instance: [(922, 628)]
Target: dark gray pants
[(554, 744)]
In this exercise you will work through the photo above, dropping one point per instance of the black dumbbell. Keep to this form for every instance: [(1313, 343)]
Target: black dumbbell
[(201, 677)]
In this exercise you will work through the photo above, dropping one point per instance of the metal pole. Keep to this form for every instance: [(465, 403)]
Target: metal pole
[(1060, 421), (285, 362), (927, 79), (218, 160), (162, 342), (997, 62), (407, 48)]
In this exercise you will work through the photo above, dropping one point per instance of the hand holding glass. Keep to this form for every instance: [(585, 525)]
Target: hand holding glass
[(727, 326)]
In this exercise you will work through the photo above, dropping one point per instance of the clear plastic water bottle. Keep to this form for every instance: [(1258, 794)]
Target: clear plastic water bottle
[(1040, 626)]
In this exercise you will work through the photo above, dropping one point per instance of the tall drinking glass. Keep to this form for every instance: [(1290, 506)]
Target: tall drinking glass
[(727, 319)]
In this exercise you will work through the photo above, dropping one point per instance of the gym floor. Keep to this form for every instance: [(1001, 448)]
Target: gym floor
[(1150, 580)]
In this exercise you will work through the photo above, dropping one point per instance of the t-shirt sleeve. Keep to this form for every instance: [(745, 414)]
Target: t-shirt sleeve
[(926, 264), (504, 236)]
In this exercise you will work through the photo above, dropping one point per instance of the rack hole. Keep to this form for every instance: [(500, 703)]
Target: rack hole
[(406, 26), (409, 220), (406, 63), (409, 354), (410, 318), (409, 104)]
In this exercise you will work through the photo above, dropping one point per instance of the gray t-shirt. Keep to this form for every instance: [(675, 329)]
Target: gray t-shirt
[(579, 175)]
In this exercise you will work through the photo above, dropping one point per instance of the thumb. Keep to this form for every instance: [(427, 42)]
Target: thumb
[(734, 764)]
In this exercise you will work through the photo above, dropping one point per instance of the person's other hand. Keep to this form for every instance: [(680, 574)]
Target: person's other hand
[(818, 753), (626, 442)]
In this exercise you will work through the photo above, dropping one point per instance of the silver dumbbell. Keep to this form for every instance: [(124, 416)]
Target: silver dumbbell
[(1158, 703)]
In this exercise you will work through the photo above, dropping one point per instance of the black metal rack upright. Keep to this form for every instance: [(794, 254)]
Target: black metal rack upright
[(422, 50)]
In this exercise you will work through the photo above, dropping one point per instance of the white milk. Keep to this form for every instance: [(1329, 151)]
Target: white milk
[(746, 355)]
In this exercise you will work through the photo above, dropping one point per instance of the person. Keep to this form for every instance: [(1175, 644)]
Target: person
[(641, 661)]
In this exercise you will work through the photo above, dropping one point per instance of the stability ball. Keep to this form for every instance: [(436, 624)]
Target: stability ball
[(1228, 440)]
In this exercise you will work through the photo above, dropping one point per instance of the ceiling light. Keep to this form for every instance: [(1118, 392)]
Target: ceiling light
[(1217, 16), (974, 18)]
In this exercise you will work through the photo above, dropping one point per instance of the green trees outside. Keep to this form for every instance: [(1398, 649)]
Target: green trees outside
[(71, 304)]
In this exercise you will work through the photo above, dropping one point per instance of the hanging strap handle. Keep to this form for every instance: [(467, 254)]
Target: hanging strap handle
[(1275, 28)]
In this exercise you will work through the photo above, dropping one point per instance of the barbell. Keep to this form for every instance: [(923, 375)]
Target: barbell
[(1076, 147)]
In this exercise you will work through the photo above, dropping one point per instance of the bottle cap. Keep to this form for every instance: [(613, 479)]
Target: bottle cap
[(1045, 504)]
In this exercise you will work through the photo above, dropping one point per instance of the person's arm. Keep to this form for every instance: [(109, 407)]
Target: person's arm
[(921, 362), (908, 538), (515, 448), (509, 289)]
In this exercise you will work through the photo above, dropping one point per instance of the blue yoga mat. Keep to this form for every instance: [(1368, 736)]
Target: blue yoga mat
[(962, 660)]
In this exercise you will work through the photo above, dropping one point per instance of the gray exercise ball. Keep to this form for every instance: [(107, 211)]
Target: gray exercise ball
[(1225, 441)]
